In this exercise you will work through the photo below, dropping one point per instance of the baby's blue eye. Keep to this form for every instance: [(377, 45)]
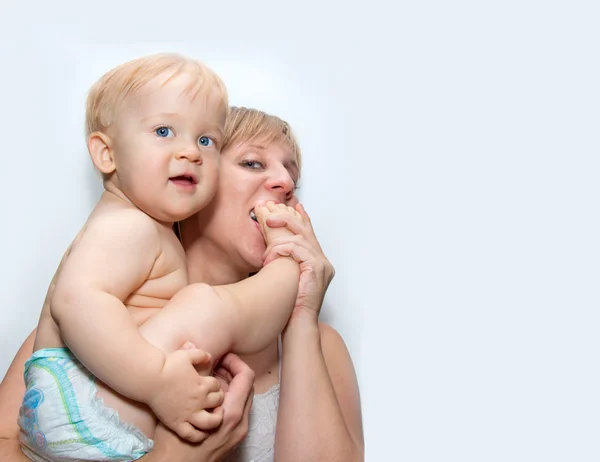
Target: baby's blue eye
[(205, 141), (164, 132)]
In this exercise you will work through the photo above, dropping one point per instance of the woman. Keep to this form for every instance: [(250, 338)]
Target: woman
[(307, 409)]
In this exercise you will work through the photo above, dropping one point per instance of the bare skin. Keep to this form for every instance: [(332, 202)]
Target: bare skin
[(126, 262), (241, 318), (224, 234), (227, 325), (123, 284), (262, 170), (168, 447)]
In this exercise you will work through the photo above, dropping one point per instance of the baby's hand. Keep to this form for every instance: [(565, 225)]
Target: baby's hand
[(182, 395)]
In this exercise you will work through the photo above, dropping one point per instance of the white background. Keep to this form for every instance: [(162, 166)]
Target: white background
[(451, 170)]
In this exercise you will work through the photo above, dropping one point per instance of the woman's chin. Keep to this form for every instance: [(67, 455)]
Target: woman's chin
[(255, 265), (253, 257)]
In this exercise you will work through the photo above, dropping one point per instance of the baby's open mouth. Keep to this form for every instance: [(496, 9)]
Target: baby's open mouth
[(185, 179)]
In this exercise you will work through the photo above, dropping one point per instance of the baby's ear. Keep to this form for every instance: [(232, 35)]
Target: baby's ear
[(100, 147)]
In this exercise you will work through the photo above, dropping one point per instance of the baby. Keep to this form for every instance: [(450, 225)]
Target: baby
[(154, 129)]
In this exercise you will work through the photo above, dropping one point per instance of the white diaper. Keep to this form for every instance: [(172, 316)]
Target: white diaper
[(62, 419)]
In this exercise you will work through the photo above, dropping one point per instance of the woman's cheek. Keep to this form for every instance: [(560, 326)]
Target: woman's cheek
[(293, 201)]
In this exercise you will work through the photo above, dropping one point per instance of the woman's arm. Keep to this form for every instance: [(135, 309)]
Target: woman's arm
[(12, 390), (319, 415), (319, 409)]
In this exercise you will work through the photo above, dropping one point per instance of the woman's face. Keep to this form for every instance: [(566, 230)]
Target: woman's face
[(249, 172)]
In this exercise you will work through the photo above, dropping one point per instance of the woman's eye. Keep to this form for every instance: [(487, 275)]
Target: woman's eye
[(253, 164), (164, 132), (206, 141)]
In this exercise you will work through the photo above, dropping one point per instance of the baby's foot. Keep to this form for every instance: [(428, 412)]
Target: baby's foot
[(268, 209)]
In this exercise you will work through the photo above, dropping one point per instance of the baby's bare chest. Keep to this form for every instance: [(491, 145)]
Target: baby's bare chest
[(167, 276)]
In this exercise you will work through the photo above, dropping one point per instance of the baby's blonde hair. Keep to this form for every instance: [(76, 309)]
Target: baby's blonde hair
[(244, 125), (109, 91)]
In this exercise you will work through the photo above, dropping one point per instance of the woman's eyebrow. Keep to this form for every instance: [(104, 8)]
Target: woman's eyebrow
[(292, 167), (257, 146)]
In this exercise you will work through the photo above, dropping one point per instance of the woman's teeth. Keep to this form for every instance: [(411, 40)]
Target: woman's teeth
[(253, 215)]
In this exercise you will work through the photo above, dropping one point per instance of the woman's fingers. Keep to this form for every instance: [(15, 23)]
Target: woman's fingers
[(241, 388), (289, 249), (299, 224), (234, 428), (228, 367), (302, 211), (305, 255), (222, 381), (243, 425), (222, 373), (233, 364), (293, 239)]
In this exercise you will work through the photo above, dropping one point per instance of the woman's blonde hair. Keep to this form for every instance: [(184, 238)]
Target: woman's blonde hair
[(109, 91), (244, 125)]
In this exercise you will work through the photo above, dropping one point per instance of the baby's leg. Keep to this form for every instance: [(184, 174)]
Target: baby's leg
[(167, 330), (244, 317), (194, 314), (264, 302)]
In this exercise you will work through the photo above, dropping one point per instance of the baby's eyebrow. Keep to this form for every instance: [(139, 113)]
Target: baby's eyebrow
[(160, 115), (217, 130)]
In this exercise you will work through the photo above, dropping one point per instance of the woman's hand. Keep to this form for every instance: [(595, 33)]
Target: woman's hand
[(316, 272), (237, 380)]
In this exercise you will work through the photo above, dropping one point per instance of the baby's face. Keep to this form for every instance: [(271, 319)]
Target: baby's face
[(166, 143)]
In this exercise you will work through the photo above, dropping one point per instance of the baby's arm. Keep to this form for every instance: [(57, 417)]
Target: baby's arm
[(113, 257)]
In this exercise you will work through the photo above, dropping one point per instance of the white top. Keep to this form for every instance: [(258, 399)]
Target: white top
[(259, 445)]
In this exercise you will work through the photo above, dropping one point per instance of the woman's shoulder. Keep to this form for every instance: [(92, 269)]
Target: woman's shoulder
[(332, 343), (340, 368), (328, 332)]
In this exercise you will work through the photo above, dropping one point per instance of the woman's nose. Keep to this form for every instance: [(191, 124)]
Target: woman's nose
[(281, 181)]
